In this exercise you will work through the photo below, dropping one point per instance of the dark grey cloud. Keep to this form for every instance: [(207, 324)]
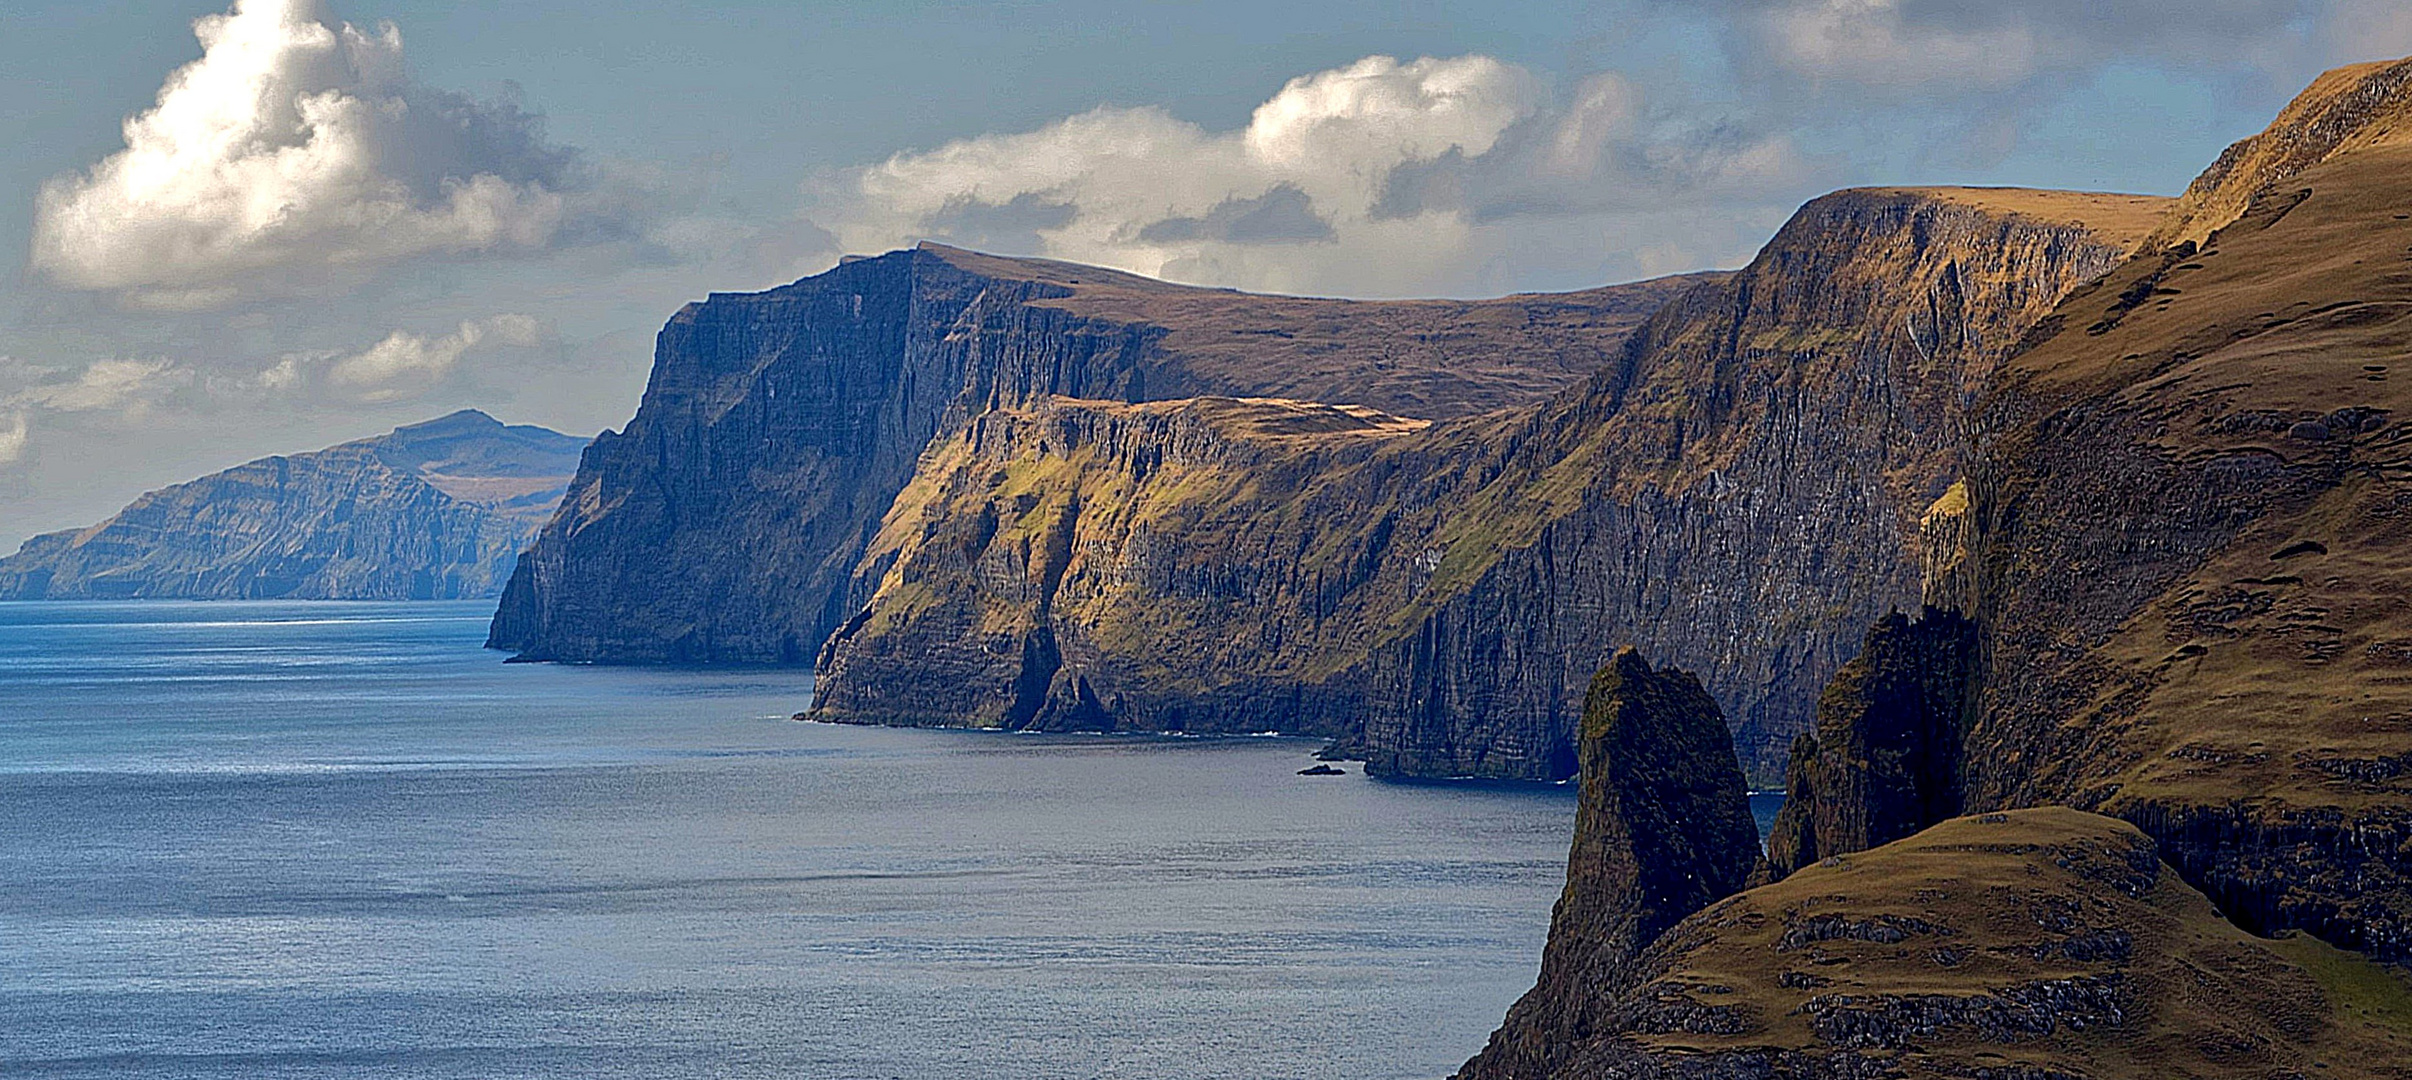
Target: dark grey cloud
[(1010, 227), (1284, 215)]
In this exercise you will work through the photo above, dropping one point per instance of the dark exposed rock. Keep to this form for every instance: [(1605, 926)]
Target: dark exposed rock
[(1885, 760), (1663, 830), (2184, 536), (432, 511)]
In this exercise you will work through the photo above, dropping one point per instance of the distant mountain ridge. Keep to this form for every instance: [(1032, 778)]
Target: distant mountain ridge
[(431, 511)]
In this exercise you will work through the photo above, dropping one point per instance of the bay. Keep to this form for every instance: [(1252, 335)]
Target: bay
[(321, 840)]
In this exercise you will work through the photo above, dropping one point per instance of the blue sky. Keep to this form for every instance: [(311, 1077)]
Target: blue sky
[(358, 213)]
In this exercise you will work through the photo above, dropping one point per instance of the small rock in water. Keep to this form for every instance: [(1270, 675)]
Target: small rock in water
[(1323, 770)]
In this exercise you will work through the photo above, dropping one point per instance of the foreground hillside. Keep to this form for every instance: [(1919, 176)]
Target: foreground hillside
[(431, 511), (2132, 799)]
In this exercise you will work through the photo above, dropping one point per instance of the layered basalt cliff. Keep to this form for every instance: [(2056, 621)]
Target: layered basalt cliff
[(1739, 485), (1663, 830), (725, 523), (1079, 565), (433, 511)]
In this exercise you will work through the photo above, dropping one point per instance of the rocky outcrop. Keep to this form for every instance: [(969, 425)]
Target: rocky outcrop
[(1663, 830), (1754, 488), (1884, 762), (432, 511), (1740, 485), (2041, 943), (725, 525)]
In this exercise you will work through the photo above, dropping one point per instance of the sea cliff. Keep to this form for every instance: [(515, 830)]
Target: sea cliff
[(433, 511)]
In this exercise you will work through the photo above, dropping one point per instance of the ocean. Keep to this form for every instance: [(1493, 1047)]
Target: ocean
[(342, 840)]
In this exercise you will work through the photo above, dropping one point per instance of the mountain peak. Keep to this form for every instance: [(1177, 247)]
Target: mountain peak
[(2348, 109)]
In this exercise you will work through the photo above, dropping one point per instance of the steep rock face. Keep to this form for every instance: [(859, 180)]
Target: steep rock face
[(1751, 494), (432, 511), (1884, 762), (724, 525), (2041, 943), (1004, 590), (1750, 470), (1663, 830), (2192, 521)]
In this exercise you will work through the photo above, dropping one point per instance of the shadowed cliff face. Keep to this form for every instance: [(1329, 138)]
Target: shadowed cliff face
[(1884, 762), (432, 511), (1664, 829), (2041, 943), (724, 525), (1737, 488)]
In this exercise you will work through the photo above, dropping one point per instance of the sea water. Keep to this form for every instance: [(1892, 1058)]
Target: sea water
[(342, 840)]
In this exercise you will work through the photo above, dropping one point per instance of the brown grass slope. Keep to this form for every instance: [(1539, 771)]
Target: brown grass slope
[(2351, 108), (2194, 538), (2040, 943), (1430, 359)]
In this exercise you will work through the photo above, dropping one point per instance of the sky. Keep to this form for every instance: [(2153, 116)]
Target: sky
[(230, 228)]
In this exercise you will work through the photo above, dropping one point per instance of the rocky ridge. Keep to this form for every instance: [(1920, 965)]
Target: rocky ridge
[(432, 511)]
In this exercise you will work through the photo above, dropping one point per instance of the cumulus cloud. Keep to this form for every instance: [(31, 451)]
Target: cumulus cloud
[(1381, 177), (131, 387), (407, 365), (298, 142), (119, 388)]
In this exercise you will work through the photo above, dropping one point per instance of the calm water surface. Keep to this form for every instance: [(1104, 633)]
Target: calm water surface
[(340, 840)]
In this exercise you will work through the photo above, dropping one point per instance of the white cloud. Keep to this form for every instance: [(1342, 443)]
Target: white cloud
[(297, 142), (117, 388), (111, 393), (1875, 42), (130, 387), (407, 365), (1378, 178)]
